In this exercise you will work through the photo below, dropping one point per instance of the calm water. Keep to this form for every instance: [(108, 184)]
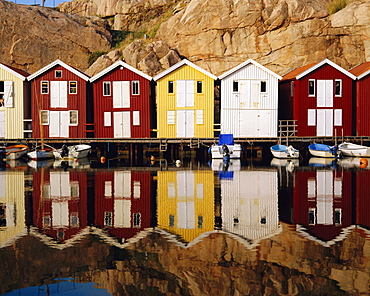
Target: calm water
[(257, 227)]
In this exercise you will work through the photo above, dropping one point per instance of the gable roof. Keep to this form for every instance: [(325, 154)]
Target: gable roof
[(179, 65), (21, 74), (305, 70), (250, 61), (361, 70), (64, 65), (121, 64)]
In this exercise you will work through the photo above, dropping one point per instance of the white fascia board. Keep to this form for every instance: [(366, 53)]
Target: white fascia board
[(120, 64), (363, 75), (11, 71), (180, 64), (60, 63), (250, 61), (326, 61)]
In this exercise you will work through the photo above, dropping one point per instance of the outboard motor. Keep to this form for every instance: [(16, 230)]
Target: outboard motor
[(64, 150), (225, 152)]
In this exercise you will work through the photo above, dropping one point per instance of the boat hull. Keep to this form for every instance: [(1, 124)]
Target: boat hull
[(322, 150), (234, 151), (282, 151), (75, 151), (354, 150), (16, 152)]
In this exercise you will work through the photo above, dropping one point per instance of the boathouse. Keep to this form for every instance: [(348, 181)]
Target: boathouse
[(319, 98), (123, 204), (13, 102), (122, 105), (185, 102), (323, 204), (362, 73), (59, 94), (249, 101)]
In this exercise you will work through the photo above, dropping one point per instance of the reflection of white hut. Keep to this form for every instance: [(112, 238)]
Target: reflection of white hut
[(250, 204), (12, 206)]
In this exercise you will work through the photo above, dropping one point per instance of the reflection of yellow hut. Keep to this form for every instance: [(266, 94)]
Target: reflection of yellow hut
[(186, 202), (12, 206)]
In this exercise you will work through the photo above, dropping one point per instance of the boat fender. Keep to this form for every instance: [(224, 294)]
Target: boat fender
[(102, 159), (363, 163)]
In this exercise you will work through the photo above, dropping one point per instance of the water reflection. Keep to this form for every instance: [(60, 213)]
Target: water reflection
[(185, 230)]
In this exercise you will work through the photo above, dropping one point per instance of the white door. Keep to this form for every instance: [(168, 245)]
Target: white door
[(249, 94), (58, 94), (325, 93), (185, 123), (254, 123), (324, 125), (185, 93), (122, 124), (121, 94), (2, 124), (59, 124)]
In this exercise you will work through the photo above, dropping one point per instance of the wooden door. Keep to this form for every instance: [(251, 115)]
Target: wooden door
[(122, 124), (185, 123), (324, 126)]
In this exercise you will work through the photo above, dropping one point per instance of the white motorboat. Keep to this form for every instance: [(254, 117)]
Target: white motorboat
[(323, 150), (226, 147), (15, 151), (41, 153), (75, 151), (283, 151), (354, 150)]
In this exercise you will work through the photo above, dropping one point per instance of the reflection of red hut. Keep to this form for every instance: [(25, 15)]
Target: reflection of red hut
[(122, 202), (323, 203), (60, 203)]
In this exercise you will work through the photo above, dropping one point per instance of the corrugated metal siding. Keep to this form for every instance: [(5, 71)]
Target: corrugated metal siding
[(14, 115), (204, 101), (247, 199), (302, 102), (74, 102), (363, 107), (230, 109), (199, 187), (137, 103)]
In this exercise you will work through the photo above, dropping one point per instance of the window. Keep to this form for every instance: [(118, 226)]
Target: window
[(106, 88), (1, 93), (338, 216), (137, 220), (45, 117), (170, 87), (135, 117), (73, 87), (311, 117), (199, 87), (171, 220), (44, 87), (311, 216), (108, 218), (235, 86), (135, 88), (200, 221), (58, 73), (199, 118), (337, 117), (263, 86), (170, 117), (107, 119), (338, 87), (311, 88), (73, 117)]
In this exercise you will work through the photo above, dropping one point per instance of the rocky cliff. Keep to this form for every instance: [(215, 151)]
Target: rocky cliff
[(215, 34)]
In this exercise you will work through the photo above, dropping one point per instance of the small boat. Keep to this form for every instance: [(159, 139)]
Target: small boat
[(354, 150), (283, 151), (16, 151), (323, 150), (226, 148), (2, 153), (41, 153), (322, 162), (75, 151)]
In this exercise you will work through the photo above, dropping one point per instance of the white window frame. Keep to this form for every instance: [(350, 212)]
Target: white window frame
[(133, 87), (263, 92), (70, 114), (237, 84), (338, 117), (341, 87), (135, 117), (314, 87), (69, 88), (311, 117), (48, 87), (58, 72), (110, 88)]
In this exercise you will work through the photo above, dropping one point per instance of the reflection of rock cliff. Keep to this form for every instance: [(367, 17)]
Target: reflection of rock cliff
[(216, 35), (285, 264)]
